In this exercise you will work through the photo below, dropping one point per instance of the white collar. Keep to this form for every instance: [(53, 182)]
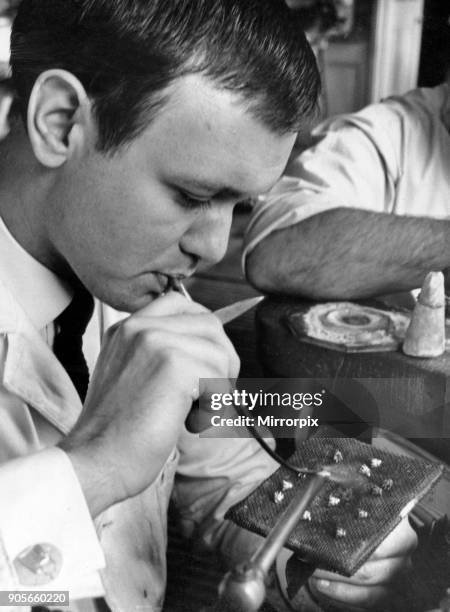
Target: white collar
[(42, 295)]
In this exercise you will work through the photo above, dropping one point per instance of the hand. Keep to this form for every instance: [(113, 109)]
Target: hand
[(370, 584), (143, 386)]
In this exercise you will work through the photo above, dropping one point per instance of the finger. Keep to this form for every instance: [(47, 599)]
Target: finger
[(402, 541), (188, 327), (346, 595), (372, 573), (203, 358), (381, 571), (203, 324), (170, 303)]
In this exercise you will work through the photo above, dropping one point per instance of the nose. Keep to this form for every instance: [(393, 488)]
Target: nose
[(207, 238)]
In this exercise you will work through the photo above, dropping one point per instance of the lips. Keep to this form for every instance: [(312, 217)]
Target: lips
[(163, 281), (165, 278)]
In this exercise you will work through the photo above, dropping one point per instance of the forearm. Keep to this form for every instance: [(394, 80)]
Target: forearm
[(350, 253)]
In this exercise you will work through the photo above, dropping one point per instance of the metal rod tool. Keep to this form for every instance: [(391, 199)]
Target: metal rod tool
[(227, 313), (243, 589)]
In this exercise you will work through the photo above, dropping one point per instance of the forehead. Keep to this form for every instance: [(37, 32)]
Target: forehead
[(208, 135)]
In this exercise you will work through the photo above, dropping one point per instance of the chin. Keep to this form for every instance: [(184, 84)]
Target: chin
[(142, 302), (132, 303), (123, 298)]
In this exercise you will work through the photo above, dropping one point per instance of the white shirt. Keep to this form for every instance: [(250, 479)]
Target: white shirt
[(392, 157), (38, 404), (123, 554)]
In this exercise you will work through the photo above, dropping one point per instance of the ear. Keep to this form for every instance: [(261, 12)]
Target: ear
[(59, 117)]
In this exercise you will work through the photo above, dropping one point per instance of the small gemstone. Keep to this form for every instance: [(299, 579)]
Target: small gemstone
[(338, 457), (365, 469), (334, 501), (287, 484), (278, 497), (387, 484)]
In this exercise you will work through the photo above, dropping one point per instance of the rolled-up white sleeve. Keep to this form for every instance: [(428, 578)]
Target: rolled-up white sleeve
[(42, 505), (354, 165)]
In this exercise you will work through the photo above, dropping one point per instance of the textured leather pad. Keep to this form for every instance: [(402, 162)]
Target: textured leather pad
[(400, 479)]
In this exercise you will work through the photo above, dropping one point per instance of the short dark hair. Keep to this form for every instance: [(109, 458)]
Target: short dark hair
[(127, 52)]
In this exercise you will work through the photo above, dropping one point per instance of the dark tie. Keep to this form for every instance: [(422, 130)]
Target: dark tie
[(68, 348), (68, 344)]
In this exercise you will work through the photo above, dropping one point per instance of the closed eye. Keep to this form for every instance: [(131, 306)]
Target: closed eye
[(191, 202)]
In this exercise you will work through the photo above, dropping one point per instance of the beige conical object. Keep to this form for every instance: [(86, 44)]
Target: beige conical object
[(425, 336)]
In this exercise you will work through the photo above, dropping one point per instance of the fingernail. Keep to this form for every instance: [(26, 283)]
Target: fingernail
[(322, 584)]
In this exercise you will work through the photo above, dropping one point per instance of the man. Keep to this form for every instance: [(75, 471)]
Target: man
[(145, 123), (367, 209)]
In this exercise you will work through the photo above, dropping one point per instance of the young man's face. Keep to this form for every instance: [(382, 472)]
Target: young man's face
[(163, 204)]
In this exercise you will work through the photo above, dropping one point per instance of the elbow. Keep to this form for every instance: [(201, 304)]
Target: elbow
[(268, 275), (307, 281), (259, 271)]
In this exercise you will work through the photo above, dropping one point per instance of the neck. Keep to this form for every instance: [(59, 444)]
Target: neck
[(25, 188)]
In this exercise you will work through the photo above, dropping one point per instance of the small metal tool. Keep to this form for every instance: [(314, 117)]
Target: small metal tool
[(244, 587), (178, 286), (227, 313), (232, 311)]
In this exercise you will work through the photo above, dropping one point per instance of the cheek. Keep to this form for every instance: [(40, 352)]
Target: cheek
[(130, 229), (118, 221)]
